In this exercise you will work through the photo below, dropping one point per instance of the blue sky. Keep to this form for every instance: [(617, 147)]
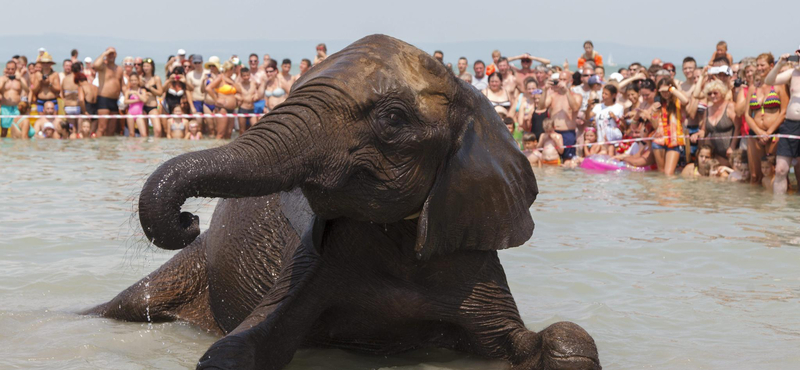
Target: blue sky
[(677, 24)]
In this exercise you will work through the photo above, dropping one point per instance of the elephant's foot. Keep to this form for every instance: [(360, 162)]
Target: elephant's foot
[(231, 352)]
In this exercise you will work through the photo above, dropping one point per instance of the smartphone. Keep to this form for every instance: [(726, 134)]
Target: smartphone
[(657, 99), (794, 58)]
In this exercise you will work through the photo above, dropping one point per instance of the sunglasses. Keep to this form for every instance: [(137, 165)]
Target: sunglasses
[(197, 63), (669, 69), (271, 70), (137, 64), (127, 64), (320, 49)]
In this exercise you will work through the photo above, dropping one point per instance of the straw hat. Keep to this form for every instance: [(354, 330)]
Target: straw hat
[(212, 61), (45, 58)]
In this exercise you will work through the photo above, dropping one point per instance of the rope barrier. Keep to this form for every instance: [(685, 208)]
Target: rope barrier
[(199, 115), (613, 142)]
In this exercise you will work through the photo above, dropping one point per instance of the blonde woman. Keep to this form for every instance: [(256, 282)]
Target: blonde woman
[(720, 125)]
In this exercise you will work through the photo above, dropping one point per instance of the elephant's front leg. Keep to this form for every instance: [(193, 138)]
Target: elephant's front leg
[(270, 335)]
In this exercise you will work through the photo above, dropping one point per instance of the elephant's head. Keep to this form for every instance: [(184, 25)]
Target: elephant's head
[(379, 131)]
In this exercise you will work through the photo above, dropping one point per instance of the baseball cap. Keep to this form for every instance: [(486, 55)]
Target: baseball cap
[(197, 58), (595, 80), (721, 69), (181, 52), (87, 60), (42, 50), (616, 76), (48, 125)]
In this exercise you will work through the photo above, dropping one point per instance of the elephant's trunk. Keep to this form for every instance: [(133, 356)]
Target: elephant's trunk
[(271, 157)]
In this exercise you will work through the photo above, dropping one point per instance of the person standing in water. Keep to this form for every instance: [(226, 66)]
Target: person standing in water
[(788, 149), (12, 89), (109, 77)]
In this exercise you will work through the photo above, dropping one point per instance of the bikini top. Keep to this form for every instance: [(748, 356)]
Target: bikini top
[(175, 93), (772, 100), (506, 103), (277, 93), (226, 89)]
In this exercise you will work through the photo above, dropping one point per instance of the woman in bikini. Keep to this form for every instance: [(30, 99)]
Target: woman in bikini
[(719, 126), (70, 96), (154, 87), (765, 112), (21, 127), (224, 91), (135, 96), (497, 95), (271, 87)]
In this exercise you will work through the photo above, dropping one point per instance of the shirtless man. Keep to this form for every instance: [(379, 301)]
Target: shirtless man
[(249, 96), (305, 65), (109, 76), (286, 79), (522, 73), (509, 80), (46, 84), (12, 89), (66, 69), (462, 67), (691, 120), (563, 106), (788, 149), (42, 125)]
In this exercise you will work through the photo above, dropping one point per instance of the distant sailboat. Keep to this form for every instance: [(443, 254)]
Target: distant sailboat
[(610, 60)]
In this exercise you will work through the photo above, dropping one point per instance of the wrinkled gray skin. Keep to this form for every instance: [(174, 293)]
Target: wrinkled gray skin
[(371, 206)]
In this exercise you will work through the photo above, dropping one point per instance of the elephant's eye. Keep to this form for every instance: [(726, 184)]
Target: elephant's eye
[(395, 118)]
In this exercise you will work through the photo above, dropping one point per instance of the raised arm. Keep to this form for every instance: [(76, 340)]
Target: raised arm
[(774, 77), (99, 63), (679, 94)]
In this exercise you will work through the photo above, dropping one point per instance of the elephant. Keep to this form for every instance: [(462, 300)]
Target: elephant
[(364, 213)]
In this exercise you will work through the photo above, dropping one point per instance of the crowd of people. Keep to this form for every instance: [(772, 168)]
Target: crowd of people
[(737, 120), (192, 85), (640, 116)]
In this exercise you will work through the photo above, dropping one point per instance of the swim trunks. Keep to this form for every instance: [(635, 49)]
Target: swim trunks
[(258, 106), (198, 106), (789, 147), (107, 103), (8, 110), (570, 138), (72, 110), (40, 105)]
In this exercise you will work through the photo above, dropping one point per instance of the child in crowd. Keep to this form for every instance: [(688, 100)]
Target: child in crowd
[(768, 170), (529, 142), (590, 138), (712, 168), (704, 153), (85, 131), (741, 173), (551, 143), (721, 52), (515, 130), (194, 131)]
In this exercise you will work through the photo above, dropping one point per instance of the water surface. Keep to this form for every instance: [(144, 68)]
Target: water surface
[(664, 273)]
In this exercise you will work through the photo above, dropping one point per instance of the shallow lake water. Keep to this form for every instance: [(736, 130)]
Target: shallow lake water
[(664, 273)]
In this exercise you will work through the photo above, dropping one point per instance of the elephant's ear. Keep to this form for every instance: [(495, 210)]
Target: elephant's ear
[(481, 197)]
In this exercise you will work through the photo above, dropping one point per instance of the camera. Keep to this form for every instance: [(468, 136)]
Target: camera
[(595, 101), (555, 82), (12, 77), (794, 58), (657, 99), (738, 82)]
